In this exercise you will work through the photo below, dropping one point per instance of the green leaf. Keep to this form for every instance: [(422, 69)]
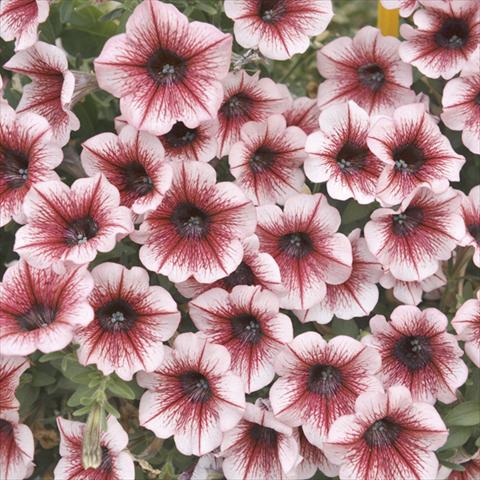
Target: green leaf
[(355, 212), (111, 410), (121, 389), (345, 327), (82, 411), (454, 466), (457, 437), (465, 414), (117, 13), (77, 396), (40, 379), (48, 357), (65, 10)]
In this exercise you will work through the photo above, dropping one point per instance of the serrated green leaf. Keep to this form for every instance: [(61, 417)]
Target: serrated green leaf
[(465, 414)]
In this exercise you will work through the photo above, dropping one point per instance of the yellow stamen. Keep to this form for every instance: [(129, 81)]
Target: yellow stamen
[(388, 21)]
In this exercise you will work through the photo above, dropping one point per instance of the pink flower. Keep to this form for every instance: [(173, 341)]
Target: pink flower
[(247, 99), (27, 157), (303, 241), (260, 446), (198, 227), (470, 463), (339, 154), (11, 368), (116, 463), (133, 162), (471, 217), (320, 381), (357, 296), (248, 324), (411, 240), (132, 319), (279, 29), (303, 113), (256, 268), (417, 352), (414, 152), (461, 105), (193, 395), (447, 35), (407, 7), (39, 309), (165, 69), (389, 436), (467, 325), (367, 70), (71, 224), (267, 160), (16, 448), (411, 292), (52, 90), (19, 20)]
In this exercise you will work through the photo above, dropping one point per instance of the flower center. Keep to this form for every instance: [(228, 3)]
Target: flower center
[(116, 315), (106, 464), (324, 379), (38, 316), (180, 135), (413, 351), (236, 106), (351, 157), (13, 168), (264, 435), (81, 230), (137, 179), (262, 160), (6, 428), (246, 328), (196, 387), (372, 76), (296, 245), (166, 67), (382, 433), (474, 231), (477, 98), (408, 158), (271, 11), (453, 34), (191, 222), (405, 223), (243, 275)]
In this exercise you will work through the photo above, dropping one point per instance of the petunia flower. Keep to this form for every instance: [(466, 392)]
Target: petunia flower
[(133, 162), (414, 152), (193, 395), (357, 296), (198, 227), (417, 352), (247, 98), (256, 268), (470, 464), (247, 322), (320, 381), (471, 216), (303, 241), (54, 88), (411, 240), (446, 37), (132, 319), (71, 224), (116, 462), (11, 368), (267, 160), (279, 29), (303, 113), (165, 69), (260, 446), (27, 157), (467, 325), (339, 154), (39, 309), (366, 69), (389, 436), (407, 7), (19, 20)]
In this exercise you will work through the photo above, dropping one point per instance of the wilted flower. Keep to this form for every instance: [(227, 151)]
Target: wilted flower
[(417, 352), (303, 113), (132, 319), (165, 69), (411, 240), (248, 324), (39, 309), (389, 436), (340, 156), (198, 227), (192, 395), (407, 7), (11, 368), (70, 224), (367, 70), (471, 217), (447, 36), (267, 160), (279, 29), (27, 157), (320, 381), (303, 241), (133, 162)]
